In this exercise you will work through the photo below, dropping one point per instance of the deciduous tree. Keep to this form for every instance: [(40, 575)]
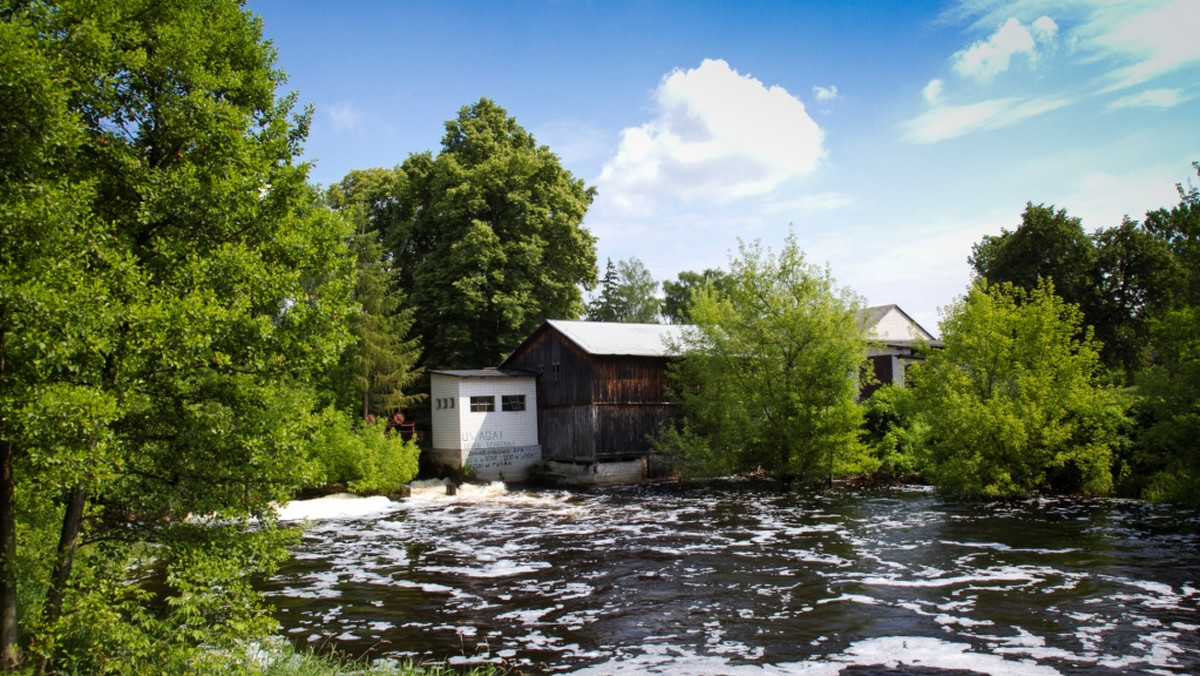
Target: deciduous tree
[(169, 286), (627, 294), (679, 294), (1011, 400), (768, 375), (486, 238)]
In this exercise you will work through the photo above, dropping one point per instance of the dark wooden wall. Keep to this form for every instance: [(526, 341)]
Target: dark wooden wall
[(592, 408)]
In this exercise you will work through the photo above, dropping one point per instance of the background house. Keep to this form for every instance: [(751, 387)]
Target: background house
[(898, 339), (485, 419)]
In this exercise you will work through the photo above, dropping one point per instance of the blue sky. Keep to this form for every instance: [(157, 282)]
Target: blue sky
[(888, 136)]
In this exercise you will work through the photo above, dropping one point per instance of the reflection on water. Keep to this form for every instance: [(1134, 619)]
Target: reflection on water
[(750, 578)]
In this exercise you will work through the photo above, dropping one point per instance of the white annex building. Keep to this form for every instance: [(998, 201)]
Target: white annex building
[(485, 419)]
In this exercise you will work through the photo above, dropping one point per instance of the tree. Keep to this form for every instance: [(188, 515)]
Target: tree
[(1168, 444), (485, 238), (680, 294), (626, 295), (767, 378), (1011, 400), (381, 363), (1047, 245), (1137, 278), (169, 288)]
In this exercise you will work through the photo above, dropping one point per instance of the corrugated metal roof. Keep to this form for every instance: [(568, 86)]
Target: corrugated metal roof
[(620, 339)]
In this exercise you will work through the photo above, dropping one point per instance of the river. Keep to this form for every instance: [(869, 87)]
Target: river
[(747, 578)]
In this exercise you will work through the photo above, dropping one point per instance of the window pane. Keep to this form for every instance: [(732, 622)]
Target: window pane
[(512, 402), (483, 404)]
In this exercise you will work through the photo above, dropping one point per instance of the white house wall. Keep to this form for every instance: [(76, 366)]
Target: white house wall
[(495, 445), (445, 401), (895, 326), (496, 429)]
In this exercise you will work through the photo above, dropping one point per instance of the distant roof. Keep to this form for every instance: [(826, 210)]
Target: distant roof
[(620, 339), (869, 319), (482, 373)]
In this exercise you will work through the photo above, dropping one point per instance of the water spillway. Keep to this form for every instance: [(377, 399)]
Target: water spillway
[(745, 577)]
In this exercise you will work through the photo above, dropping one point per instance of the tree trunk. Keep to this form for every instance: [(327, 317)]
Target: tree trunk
[(68, 543)]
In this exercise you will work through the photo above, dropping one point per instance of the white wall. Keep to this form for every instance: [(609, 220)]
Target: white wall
[(443, 391), (895, 326), (496, 429)]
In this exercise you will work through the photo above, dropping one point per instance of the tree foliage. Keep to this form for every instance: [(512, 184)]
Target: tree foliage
[(1011, 401), (627, 294), (378, 370), (679, 295), (767, 378), (486, 238), (169, 286)]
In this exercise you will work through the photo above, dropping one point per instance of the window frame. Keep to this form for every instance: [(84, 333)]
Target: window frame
[(509, 402), (483, 403)]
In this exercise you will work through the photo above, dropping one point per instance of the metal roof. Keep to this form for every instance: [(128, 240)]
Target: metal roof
[(482, 373), (620, 339)]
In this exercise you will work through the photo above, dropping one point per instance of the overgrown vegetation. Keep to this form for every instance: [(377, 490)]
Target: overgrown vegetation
[(768, 374)]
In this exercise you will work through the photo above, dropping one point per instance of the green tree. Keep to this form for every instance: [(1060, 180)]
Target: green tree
[(767, 378), (679, 294), (169, 288), (1180, 228), (627, 294), (1011, 400), (486, 238), (380, 367), (1137, 278), (1168, 445)]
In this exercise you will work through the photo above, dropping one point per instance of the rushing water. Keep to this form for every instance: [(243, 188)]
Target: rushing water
[(750, 578)]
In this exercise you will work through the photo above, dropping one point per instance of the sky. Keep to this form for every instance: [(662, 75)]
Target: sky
[(888, 137)]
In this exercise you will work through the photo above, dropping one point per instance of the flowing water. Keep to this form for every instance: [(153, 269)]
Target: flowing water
[(732, 578)]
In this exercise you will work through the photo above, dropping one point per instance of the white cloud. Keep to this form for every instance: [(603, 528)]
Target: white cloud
[(985, 59), (345, 116), (933, 91), (718, 136), (826, 93), (942, 122), (1157, 38), (1151, 98)]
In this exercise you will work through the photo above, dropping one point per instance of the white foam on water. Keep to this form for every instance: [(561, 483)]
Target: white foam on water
[(339, 506), (891, 652)]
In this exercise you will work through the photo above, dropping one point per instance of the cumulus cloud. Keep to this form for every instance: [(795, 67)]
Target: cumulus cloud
[(1151, 98), (942, 122), (717, 136), (826, 93), (985, 59), (345, 116)]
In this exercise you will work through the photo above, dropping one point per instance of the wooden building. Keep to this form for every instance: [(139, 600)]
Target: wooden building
[(897, 339), (601, 391)]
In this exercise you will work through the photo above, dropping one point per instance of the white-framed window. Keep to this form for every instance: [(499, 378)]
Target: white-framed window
[(512, 402), (483, 404)]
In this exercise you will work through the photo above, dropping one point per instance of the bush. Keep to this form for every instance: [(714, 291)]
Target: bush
[(894, 433), (365, 457)]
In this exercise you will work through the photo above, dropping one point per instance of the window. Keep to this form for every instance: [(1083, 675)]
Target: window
[(483, 404), (626, 370), (512, 402)]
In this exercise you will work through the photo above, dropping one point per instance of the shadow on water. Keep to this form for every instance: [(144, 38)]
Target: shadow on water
[(728, 577)]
